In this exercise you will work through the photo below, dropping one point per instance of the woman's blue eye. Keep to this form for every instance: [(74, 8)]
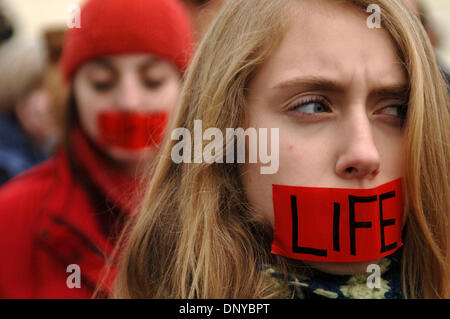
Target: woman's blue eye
[(312, 107)]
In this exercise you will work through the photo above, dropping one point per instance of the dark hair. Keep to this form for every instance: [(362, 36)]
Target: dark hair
[(6, 27)]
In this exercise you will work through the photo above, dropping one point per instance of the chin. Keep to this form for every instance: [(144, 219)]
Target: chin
[(341, 268), (131, 157)]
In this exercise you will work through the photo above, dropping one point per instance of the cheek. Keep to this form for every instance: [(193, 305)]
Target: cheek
[(88, 118), (89, 105), (304, 160), (392, 153), (258, 189), (302, 163)]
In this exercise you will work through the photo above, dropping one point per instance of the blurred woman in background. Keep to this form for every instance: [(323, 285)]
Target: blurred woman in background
[(59, 221)]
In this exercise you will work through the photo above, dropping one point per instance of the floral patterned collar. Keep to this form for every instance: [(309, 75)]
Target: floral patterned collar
[(324, 286)]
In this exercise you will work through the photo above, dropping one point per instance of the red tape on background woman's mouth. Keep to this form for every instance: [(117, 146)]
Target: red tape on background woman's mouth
[(131, 130), (337, 224)]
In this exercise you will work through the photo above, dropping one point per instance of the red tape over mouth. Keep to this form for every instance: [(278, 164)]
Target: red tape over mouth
[(337, 224), (131, 130)]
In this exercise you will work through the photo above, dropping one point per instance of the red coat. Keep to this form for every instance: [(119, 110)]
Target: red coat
[(48, 221)]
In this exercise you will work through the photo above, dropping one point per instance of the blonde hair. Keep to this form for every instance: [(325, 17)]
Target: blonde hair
[(196, 235)]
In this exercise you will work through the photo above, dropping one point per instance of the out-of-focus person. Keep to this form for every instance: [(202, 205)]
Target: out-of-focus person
[(25, 125), (420, 10), (202, 13), (59, 221)]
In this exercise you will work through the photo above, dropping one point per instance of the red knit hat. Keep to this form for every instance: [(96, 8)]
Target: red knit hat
[(158, 27)]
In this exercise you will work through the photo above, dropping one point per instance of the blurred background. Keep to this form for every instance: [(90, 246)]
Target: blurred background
[(38, 15), (440, 11), (33, 98)]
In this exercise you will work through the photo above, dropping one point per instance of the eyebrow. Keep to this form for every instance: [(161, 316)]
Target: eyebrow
[(143, 66), (311, 82), (397, 90), (148, 63), (104, 62)]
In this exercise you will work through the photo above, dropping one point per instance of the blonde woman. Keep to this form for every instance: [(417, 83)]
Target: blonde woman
[(356, 107)]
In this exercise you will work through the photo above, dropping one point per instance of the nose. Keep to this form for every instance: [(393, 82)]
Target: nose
[(129, 95), (358, 156)]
